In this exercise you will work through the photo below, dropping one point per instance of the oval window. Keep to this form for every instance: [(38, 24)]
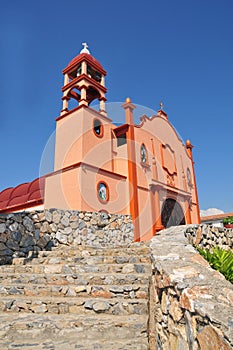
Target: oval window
[(103, 192), (143, 154), (98, 128)]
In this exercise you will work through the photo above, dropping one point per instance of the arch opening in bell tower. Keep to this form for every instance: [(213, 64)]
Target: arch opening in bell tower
[(85, 74)]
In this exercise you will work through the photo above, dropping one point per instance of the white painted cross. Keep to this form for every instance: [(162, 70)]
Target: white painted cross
[(85, 50)]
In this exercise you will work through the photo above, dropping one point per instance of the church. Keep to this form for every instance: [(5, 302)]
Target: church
[(143, 170)]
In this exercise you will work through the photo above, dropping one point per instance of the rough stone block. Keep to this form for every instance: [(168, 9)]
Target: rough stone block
[(101, 306), (209, 339), (28, 223), (27, 240), (175, 310), (2, 228)]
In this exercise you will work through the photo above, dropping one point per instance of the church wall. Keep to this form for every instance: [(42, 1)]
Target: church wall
[(145, 217), (117, 188), (102, 152), (77, 189), (120, 160), (194, 214), (163, 134), (96, 149), (144, 170), (158, 156), (62, 190), (69, 131), (170, 165)]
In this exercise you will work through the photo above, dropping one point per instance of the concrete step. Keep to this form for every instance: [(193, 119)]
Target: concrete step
[(54, 276), (76, 332), (79, 267), (71, 305), (134, 291)]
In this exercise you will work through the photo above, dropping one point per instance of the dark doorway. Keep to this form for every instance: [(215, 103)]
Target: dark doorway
[(172, 213)]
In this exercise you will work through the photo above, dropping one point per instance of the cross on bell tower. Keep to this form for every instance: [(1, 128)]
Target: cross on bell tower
[(85, 50), (84, 81)]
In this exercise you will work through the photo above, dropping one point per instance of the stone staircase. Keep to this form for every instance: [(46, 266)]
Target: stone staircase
[(77, 298)]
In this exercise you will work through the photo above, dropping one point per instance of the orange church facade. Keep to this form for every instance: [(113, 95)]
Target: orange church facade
[(144, 170)]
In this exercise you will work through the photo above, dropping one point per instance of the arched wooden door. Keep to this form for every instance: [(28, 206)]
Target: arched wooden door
[(172, 213)]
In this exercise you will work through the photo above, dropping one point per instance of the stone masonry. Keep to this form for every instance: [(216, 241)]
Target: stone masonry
[(76, 280), (79, 297), (30, 232), (192, 307), (208, 237)]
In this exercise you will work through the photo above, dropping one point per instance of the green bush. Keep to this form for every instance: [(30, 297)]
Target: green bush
[(219, 259), (228, 220)]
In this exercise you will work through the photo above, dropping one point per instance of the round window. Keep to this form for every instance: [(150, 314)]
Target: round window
[(103, 192), (98, 128), (143, 154)]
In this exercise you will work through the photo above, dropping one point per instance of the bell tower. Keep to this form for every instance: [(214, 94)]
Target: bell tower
[(84, 81)]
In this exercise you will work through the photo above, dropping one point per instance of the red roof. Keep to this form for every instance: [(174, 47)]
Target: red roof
[(23, 196), (84, 56), (215, 217)]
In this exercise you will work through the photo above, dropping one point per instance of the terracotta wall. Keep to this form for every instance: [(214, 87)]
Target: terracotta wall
[(77, 189)]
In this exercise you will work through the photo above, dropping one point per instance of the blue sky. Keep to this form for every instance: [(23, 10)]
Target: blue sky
[(180, 52)]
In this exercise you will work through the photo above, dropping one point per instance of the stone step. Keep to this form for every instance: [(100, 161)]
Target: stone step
[(84, 251), (82, 267), (54, 276), (134, 249), (76, 298), (54, 331), (90, 260), (55, 322), (110, 291), (71, 305), (91, 344)]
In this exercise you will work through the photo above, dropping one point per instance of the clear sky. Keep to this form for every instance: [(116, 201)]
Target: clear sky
[(180, 52)]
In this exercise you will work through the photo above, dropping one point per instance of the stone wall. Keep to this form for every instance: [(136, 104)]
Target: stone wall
[(192, 303), (26, 232), (208, 237)]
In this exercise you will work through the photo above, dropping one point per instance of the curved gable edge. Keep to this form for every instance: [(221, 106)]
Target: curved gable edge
[(144, 118)]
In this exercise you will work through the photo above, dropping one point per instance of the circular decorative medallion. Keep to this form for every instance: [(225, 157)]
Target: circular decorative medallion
[(103, 192)]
